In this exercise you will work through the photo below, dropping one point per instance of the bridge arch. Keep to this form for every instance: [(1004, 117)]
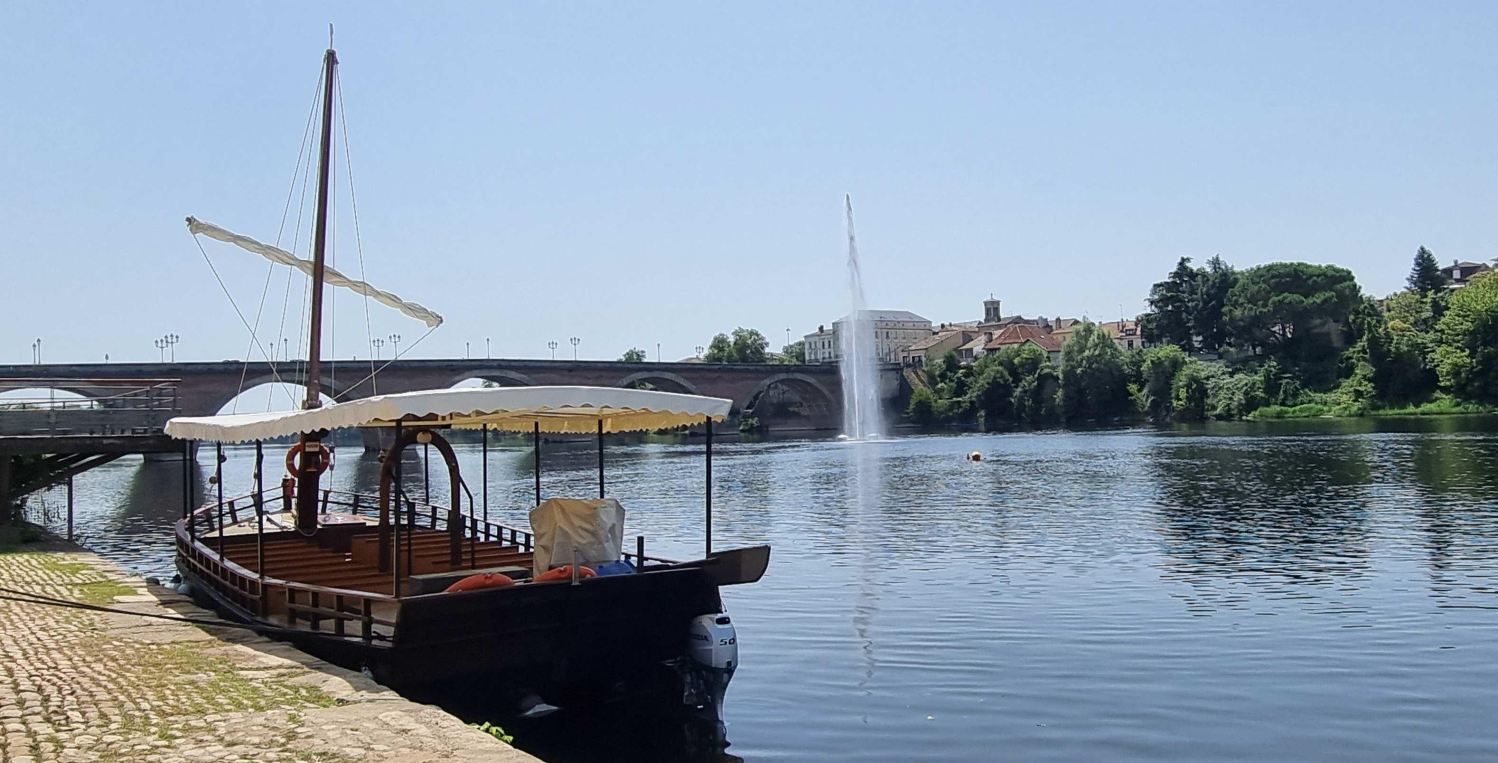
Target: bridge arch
[(499, 376), (820, 403), (674, 382), (291, 381)]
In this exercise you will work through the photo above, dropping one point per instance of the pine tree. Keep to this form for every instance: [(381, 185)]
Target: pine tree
[(1425, 275)]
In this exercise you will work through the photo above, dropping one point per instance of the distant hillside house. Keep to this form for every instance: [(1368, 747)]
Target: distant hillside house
[(1023, 333), (893, 331), (1125, 333), (936, 346), (1459, 273)]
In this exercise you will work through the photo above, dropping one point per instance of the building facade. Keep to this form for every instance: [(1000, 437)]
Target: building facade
[(894, 330)]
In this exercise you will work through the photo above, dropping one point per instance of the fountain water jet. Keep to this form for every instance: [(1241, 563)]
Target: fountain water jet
[(862, 419)]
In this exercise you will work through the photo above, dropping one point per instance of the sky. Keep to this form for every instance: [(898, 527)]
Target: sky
[(635, 174)]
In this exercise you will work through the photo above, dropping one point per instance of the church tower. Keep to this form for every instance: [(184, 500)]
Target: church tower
[(991, 311)]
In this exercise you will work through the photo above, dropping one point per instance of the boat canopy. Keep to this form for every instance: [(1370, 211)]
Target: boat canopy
[(572, 410)]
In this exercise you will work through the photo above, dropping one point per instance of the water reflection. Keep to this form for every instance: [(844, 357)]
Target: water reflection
[(1304, 590)]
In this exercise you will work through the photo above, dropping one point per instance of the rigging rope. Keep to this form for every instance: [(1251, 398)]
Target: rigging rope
[(234, 305), (348, 160), (385, 365), (270, 271)]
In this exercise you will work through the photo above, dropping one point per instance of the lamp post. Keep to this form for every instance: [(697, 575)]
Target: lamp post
[(161, 345), (657, 352), (553, 345), (575, 342), (171, 341), (787, 336), (699, 350), (378, 343), (285, 349), (486, 348), (395, 340), (465, 349)]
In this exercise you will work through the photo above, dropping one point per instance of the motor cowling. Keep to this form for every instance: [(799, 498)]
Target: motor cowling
[(712, 657), (713, 643)]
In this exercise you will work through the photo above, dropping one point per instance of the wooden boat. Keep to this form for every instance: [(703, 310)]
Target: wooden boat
[(361, 580)]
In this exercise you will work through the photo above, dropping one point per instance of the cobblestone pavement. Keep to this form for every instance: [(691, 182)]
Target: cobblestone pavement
[(86, 686)]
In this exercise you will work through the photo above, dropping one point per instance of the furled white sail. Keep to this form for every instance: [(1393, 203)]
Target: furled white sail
[(330, 275)]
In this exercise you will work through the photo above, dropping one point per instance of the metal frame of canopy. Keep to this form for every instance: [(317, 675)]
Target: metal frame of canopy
[(550, 409)]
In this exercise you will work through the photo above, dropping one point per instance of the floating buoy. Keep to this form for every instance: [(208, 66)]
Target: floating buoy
[(563, 573), (480, 581)]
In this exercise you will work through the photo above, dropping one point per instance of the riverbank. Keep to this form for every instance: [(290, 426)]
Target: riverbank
[(79, 685), (1441, 407)]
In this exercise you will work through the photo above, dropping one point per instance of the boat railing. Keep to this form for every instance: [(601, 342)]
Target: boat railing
[(249, 590), (351, 613)]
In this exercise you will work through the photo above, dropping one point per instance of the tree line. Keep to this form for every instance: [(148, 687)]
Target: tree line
[(1281, 339), (744, 345)]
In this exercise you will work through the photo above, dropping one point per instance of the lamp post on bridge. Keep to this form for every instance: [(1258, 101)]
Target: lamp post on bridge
[(378, 343), (553, 345), (486, 348), (36, 351), (171, 342), (465, 349), (699, 349), (575, 342), (161, 345), (657, 352), (395, 339)]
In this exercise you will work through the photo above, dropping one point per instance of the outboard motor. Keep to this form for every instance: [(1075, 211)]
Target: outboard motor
[(712, 656)]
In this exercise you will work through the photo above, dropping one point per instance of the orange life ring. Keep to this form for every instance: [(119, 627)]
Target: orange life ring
[(325, 460), (481, 581), (563, 573)]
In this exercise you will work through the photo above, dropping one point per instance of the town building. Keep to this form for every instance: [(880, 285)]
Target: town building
[(1125, 333), (894, 330), (934, 347), (1459, 273), (1024, 333)]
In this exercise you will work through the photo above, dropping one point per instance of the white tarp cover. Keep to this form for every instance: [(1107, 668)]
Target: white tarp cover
[(331, 276), (574, 410), (594, 527)]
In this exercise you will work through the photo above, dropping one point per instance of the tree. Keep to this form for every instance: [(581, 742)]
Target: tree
[(1191, 390), (633, 355), (1161, 364), (749, 346), (720, 350), (1208, 321), (1425, 275), (1467, 336), (923, 407), (1171, 306), (795, 352), (1094, 383), (1294, 312)]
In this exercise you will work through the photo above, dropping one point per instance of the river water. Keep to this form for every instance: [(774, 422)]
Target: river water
[(1272, 591)]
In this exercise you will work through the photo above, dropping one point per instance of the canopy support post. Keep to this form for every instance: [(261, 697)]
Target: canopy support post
[(187, 488), (399, 495), (260, 524), (536, 440), (426, 473), (486, 479), (218, 477), (709, 509), (600, 458)]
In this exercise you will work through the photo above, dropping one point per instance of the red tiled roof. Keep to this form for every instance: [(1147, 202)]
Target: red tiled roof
[(1019, 333)]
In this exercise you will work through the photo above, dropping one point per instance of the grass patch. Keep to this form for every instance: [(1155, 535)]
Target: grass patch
[(1441, 406)]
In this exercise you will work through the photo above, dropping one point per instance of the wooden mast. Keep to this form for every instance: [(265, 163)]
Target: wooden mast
[(312, 456)]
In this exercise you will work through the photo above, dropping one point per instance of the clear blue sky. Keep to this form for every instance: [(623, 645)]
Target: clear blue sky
[(634, 173)]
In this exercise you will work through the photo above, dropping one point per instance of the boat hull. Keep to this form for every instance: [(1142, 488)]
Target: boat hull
[(601, 637)]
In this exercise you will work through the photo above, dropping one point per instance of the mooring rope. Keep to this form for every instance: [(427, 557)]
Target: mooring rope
[(27, 597)]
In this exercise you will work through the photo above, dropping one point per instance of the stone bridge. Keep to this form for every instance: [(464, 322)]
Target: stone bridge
[(205, 388)]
